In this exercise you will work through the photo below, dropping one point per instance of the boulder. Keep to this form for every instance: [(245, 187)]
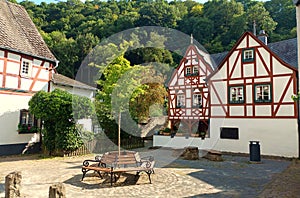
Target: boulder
[(191, 153)]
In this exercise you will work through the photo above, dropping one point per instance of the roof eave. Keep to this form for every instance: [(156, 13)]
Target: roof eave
[(29, 54), (76, 86)]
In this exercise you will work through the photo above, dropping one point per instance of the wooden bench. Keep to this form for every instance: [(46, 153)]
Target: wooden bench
[(113, 164)]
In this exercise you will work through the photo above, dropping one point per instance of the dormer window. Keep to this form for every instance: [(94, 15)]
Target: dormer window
[(248, 55), (26, 67)]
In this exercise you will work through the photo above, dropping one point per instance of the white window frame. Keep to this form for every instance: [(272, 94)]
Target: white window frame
[(263, 93), (195, 69), (23, 71), (188, 71), (26, 118), (180, 100), (197, 100), (236, 94), (248, 54)]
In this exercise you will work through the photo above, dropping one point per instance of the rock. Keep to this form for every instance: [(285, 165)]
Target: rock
[(57, 191), (191, 153), (13, 184), (214, 155)]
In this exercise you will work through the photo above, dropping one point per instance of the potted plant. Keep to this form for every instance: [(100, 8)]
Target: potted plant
[(26, 128), (202, 134), (166, 131)]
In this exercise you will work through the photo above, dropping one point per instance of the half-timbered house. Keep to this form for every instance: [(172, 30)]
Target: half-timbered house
[(26, 66), (188, 92), (251, 98), (248, 98)]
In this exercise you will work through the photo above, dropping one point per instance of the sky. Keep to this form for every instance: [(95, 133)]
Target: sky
[(49, 1)]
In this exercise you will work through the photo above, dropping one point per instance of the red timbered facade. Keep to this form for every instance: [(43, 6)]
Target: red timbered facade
[(188, 92), (253, 82), (250, 99), (26, 66)]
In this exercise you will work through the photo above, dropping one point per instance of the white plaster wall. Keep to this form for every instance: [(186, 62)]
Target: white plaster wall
[(11, 82), (1, 65), (179, 142), (13, 68), (77, 91), (86, 123), (276, 137), (9, 119)]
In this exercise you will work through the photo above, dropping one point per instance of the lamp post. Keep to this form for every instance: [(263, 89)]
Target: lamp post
[(297, 4)]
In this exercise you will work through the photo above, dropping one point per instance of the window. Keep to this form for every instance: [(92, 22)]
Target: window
[(263, 93), (195, 70), (197, 100), (28, 124), (188, 71), (180, 101), (236, 94), (229, 133), (248, 55), (97, 128), (26, 68)]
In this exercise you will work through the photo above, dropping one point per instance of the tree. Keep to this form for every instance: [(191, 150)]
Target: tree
[(262, 18), (158, 13), (283, 12), (59, 111)]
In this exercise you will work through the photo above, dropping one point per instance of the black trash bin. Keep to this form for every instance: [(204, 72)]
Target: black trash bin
[(254, 148)]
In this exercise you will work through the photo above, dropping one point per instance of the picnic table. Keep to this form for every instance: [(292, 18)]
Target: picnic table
[(114, 164)]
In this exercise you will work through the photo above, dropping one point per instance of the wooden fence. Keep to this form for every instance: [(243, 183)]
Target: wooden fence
[(103, 145)]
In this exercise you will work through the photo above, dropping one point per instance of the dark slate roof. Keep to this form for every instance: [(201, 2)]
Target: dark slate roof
[(18, 32), (66, 81), (218, 58), (286, 50)]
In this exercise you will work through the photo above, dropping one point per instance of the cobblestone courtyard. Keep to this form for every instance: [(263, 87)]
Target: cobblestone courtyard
[(234, 177)]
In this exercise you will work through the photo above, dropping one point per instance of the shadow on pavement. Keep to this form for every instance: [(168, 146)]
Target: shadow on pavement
[(93, 181)]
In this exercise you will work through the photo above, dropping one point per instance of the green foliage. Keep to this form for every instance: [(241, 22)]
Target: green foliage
[(59, 111), (25, 128), (72, 28), (296, 97)]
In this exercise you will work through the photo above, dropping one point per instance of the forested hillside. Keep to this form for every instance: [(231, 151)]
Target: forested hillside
[(72, 28)]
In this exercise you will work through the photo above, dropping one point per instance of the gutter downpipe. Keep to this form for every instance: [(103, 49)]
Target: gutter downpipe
[(298, 54)]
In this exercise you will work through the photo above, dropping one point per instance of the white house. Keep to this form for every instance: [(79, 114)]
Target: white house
[(26, 66), (72, 86), (189, 100), (249, 100), (188, 92)]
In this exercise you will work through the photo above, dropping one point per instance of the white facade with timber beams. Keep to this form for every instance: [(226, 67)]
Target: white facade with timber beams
[(26, 66), (248, 98), (251, 100), (188, 92)]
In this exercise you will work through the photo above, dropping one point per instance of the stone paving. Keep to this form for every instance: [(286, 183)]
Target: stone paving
[(174, 177)]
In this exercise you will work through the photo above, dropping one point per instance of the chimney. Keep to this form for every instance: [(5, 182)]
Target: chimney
[(263, 37)]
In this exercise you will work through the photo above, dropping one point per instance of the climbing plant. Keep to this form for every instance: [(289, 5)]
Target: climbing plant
[(59, 111)]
